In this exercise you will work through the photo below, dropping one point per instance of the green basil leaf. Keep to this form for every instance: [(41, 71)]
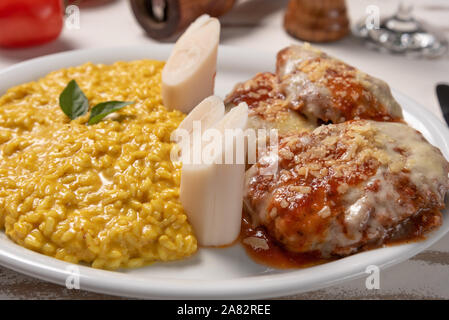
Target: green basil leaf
[(101, 110), (72, 101)]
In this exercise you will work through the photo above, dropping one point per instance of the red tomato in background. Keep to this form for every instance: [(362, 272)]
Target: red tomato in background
[(29, 22)]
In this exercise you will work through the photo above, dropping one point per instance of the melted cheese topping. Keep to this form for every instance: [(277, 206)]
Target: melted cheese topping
[(344, 186), (328, 89)]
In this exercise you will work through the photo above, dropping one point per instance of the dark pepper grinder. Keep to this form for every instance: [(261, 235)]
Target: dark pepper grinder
[(162, 19)]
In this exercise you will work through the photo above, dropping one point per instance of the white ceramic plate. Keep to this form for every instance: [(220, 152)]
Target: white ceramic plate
[(211, 273)]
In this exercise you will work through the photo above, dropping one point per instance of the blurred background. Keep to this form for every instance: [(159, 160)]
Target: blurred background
[(402, 42)]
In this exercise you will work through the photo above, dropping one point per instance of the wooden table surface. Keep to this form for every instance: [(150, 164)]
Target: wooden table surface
[(253, 24)]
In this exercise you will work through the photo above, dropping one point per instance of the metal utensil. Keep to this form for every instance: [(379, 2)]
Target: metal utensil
[(443, 98)]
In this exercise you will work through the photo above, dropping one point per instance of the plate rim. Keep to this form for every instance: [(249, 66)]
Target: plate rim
[(261, 286)]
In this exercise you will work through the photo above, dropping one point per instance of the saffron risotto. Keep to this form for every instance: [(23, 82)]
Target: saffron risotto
[(107, 194)]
